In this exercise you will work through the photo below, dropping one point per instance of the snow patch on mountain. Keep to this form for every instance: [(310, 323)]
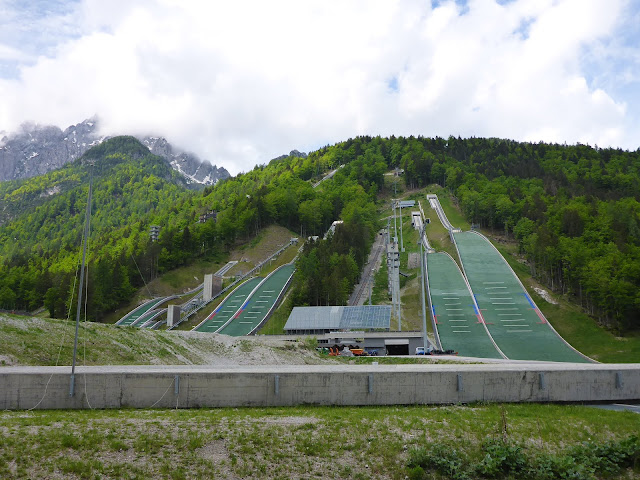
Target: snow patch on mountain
[(36, 150)]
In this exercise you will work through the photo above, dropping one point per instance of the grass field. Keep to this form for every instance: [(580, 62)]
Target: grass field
[(451, 210), (33, 341), (299, 442)]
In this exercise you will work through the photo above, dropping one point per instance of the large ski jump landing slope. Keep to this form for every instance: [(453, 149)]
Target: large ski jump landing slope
[(514, 321), (229, 306), (490, 314), (459, 324)]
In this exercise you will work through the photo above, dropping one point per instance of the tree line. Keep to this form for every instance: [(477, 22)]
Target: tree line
[(574, 211)]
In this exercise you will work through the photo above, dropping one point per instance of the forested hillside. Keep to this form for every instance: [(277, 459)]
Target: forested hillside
[(41, 229), (574, 211), (43, 219)]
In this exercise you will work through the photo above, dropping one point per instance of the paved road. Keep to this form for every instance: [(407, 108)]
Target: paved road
[(459, 324), (516, 324), (254, 310), (619, 407), (228, 307)]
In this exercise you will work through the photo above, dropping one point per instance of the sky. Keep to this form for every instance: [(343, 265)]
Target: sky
[(239, 83)]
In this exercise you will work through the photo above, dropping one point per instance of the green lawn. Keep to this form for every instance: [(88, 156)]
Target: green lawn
[(278, 319), (36, 341)]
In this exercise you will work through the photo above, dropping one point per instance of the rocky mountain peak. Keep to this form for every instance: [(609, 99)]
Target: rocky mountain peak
[(37, 149)]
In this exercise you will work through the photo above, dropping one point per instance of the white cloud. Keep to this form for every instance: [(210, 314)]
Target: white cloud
[(241, 82)]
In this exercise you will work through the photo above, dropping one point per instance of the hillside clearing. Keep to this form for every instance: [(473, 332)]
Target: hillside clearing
[(35, 341)]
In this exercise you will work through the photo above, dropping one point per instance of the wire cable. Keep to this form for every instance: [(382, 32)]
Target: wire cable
[(64, 334), (141, 276), (165, 392), (84, 339)]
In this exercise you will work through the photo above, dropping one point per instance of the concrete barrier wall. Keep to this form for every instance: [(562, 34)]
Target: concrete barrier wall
[(192, 387)]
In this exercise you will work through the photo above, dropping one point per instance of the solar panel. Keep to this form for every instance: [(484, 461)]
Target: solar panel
[(365, 317)]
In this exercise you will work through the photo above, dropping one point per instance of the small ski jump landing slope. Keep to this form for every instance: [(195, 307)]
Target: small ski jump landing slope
[(516, 324), (229, 307), (138, 314), (459, 324), (260, 303)]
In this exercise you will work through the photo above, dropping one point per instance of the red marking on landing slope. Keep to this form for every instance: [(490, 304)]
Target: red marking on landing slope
[(540, 316)]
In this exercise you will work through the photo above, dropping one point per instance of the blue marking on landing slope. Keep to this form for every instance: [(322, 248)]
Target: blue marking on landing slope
[(529, 300), (475, 297)]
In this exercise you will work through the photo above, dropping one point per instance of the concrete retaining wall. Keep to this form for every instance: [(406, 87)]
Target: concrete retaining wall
[(193, 386)]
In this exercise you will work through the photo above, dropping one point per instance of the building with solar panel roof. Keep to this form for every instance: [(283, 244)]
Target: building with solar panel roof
[(322, 320)]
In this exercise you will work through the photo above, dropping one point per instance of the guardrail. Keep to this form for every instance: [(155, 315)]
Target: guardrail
[(425, 240)]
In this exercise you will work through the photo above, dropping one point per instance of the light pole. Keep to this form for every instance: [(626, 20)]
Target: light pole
[(401, 241), (395, 224)]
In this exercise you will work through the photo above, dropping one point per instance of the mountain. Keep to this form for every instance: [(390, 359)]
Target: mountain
[(36, 150), (185, 163), (41, 221), (292, 154)]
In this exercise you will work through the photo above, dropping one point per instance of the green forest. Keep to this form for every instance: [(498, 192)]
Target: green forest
[(574, 212)]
